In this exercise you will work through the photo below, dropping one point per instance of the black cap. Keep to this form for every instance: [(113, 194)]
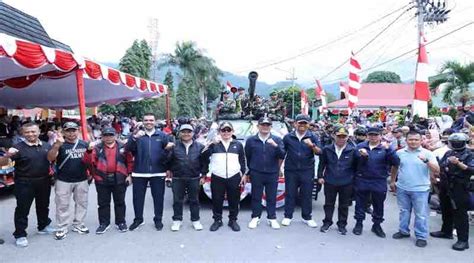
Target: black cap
[(302, 117), (241, 88), (70, 125), (265, 120), (108, 131), (374, 130), (341, 131)]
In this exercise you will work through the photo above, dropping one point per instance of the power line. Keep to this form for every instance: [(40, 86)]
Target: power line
[(327, 43)]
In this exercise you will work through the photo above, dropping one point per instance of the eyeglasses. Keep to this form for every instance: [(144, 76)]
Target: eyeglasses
[(226, 130)]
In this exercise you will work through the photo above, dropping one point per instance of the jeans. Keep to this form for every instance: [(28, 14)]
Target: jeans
[(304, 180), (270, 183), (219, 188), (27, 190), (157, 186), (330, 193), (418, 201), (104, 194), (362, 198), (79, 192), (180, 187)]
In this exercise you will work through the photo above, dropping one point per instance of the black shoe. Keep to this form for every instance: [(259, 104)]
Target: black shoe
[(377, 229), (342, 230), (325, 228), (369, 210), (460, 246), (357, 229), (400, 235), (136, 224), (234, 226), (216, 225), (122, 227), (102, 229), (2, 241), (158, 225), (441, 234), (421, 243)]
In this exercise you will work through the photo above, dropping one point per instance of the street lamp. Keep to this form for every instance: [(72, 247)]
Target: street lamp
[(292, 78)]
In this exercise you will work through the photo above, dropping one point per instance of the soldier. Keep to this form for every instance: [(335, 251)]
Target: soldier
[(227, 107), (241, 102), (258, 108), (276, 108)]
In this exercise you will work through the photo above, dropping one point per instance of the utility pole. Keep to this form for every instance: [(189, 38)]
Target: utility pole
[(292, 78)]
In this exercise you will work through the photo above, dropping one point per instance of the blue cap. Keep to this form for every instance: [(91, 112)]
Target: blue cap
[(374, 130), (302, 117)]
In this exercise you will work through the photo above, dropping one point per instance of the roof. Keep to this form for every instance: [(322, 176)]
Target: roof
[(19, 24), (374, 95)]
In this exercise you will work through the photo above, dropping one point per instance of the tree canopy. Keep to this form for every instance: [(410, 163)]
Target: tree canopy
[(383, 77), (453, 82)]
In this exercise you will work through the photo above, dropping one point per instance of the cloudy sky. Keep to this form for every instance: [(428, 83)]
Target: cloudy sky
[(247, 34)]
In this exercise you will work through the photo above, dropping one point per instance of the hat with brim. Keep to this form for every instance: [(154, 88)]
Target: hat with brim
[(186, 127), (70, 126), (341, 131), (374, 131), (225, 124), (108, 131), (265, 120)]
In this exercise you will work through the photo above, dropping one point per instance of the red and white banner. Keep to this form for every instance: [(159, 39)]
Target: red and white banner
[(304, 103), (422, 91), (354, 82), (322, 94)]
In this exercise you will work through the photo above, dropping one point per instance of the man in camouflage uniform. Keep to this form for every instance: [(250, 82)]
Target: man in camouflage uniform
[(227, 107), (242, 101), (276, 107)]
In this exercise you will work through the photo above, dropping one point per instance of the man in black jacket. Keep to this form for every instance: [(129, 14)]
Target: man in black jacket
[(185, 167)]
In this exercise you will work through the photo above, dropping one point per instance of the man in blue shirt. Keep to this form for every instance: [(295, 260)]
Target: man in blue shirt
[(413, 186)]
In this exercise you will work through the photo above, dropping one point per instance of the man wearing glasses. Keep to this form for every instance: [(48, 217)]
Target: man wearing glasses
[(301, 145), (226, 159)]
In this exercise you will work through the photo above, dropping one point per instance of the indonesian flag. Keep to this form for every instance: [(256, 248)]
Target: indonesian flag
[(319, 91), (228, 86), (354, 82), (342, 91), (422, 92), (304, 103)]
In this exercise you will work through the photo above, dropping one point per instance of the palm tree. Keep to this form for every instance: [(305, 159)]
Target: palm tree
[(198, 69), (455, 78)]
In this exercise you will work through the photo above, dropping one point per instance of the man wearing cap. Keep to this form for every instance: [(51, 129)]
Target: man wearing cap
[(301, 145), (276, 108), (186, 169), (71, 180), (373, 167), (226, 158), (150, 149), (227, 107), (399, 140), (241, 101), (111, 167), (336, 169), (264, 153)]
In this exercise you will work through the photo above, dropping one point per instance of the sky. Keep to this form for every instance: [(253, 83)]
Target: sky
[(247, 35)]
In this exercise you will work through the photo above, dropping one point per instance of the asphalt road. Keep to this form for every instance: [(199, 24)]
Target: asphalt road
[(290, 244)]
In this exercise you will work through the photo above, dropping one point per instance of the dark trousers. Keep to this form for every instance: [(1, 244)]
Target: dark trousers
[(377, 199), (303, 180), (180, 188), (219, 188), (269, 182), (25, 192), (105, 192), (157, 186), (455, 218), (331, 192)]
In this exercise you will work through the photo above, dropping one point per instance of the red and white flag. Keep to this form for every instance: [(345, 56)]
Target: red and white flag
[(304, 103), (319, 91), (354, 82), (422, 91), (228, 86)]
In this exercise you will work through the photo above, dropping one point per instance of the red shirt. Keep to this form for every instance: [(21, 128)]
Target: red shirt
[(110, 153)]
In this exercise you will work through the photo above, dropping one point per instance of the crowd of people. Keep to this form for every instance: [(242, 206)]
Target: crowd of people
[(359, 159)]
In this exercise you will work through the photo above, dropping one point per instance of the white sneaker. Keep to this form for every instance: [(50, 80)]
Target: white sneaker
[(21, 242), (176, 226), (254, 222), (274, 223), (286, 221), (197, 225), (310, 223), (47, 230)]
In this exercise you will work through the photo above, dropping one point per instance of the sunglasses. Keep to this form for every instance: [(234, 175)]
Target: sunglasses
[(341, 136), (226, 130)]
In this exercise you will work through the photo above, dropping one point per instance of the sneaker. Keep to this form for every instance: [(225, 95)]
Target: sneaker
[(358, 229), (441, 234), (21, 242), (325, 228), (400, 235), (158, 226), (81, 229), (310, 223), (234, 226), (102, 229), (342, 230), (176, 226), (60, 234), (254, 222), (216, 225), (197, 225), (377, 229), (122, 227), (286, 221), (136, 224), (460, 246), (421, 243), (274, 223), (47, 230)]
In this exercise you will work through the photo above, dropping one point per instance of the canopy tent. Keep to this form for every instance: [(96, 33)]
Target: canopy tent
[(32, 75)]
